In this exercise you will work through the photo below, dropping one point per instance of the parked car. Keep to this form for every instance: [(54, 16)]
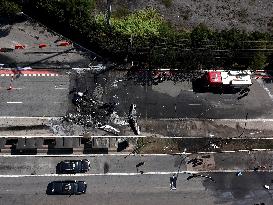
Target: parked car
[(69, 187), (74, 166)]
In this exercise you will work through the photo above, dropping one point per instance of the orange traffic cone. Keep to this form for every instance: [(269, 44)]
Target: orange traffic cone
[(64, 43), (42, 45)]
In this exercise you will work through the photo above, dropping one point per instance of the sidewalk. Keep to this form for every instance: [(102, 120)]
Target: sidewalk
[(224, 128), (21, 126), (193, 128)]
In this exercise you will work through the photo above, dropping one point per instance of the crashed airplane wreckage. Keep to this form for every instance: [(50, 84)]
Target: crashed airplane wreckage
[(91, 113)]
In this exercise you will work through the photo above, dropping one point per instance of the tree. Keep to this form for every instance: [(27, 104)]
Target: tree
[(199, 34), (8, 8), (258, 61)]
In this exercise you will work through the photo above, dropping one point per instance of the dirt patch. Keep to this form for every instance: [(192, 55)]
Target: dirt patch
[(206, 128), (170, 146)]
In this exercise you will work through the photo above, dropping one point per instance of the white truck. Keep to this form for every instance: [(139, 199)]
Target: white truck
[(227, 78)]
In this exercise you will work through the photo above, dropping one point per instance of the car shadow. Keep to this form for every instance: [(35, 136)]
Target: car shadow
[(200, 86), (58, 168), (49, 189)]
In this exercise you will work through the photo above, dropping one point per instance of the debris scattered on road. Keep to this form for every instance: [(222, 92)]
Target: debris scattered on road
[(110, 129), (200, 175), (243, 93), (133, 119), (91, 112), (239, 174), (140, 164), (266, 186), (215, 146), (195, 162)]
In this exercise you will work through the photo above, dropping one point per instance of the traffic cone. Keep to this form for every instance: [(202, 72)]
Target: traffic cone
[(42, 45), (10, 85), (19, 46), (63, 43)]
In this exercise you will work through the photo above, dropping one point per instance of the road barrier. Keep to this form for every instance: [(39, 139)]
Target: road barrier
[(42, 45), (19, 46), (64, 43)]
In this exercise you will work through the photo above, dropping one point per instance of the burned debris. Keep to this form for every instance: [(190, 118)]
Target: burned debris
[(90, 111), (133, 119), (195, 162)]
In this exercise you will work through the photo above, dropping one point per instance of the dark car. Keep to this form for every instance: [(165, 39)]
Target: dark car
[(74, 166), (69, 187)]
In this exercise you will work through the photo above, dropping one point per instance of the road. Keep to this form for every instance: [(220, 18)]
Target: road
[(34, 95), (48, 96), (143, 189), (115, 180), (177, 100), (122, 163)]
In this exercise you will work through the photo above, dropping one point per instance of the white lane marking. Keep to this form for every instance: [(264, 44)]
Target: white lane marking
[(131, 173), (265, 88), (134, 155), (210, 119), (68, 136), (38, 118), (162, 119), (91, 155), (123, 136), (14, 102), (17, 88), (191, 90), (194, 104), (60, 88)]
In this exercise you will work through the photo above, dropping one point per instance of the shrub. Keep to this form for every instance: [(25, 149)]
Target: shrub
[(199, 34), (8, 8), (167, 3), (258, 61)]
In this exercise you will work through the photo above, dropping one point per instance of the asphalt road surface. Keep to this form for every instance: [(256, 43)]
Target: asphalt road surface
[(44, 165), (114, 180), (34, 96), (177, 100), (143, 189), (49, 96)]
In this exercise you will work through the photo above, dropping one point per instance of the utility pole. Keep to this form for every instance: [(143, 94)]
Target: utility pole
[(109, 11)]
